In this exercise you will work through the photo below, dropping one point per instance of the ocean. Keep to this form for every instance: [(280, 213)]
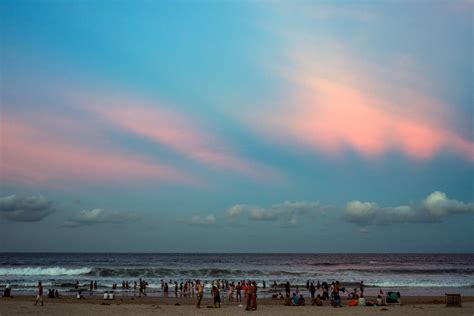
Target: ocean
[(411, 274)]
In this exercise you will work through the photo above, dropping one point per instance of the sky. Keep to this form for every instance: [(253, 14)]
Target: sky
[(236, 126)]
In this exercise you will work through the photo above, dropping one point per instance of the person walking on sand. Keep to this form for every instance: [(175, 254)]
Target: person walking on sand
[(39, 296), (200, 292)]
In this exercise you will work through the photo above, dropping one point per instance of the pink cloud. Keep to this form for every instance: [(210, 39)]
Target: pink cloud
[(176, 132), (330, 116), (51, 149)]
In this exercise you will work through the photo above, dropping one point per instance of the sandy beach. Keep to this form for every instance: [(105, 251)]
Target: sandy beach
[(412, 306)]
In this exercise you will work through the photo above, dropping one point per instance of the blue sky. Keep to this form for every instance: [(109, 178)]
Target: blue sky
[(199, 126)]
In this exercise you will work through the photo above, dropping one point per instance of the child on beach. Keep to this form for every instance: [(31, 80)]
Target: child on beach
[(318, 301), (79, 295), (294, 300)]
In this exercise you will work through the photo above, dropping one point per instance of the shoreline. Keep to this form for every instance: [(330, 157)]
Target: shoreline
[(96, 299), (411, 306)]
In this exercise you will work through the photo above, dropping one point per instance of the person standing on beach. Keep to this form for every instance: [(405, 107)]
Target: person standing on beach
[(200, 292), (254, 295), (248, 296), (238, 295), (312, 289), (165, 290), (274, 286), (230, 296), (217, 296), (91, 287), (39, 296)]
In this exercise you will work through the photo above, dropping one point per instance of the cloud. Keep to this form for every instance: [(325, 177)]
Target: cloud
[(334, 99), (197, 220), (101, 216), (360, 212), (25, 209), (176, 131), (287, 213), (330, 116), (435, 207), (438, 205), (46, 149)]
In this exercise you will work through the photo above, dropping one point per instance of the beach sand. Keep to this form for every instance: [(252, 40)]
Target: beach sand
[(412, 306)]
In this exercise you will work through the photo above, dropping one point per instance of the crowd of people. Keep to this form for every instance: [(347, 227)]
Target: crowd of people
[(236, 291)]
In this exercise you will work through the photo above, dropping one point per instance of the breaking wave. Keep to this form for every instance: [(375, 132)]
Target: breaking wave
[(206, 272), (44, 271)]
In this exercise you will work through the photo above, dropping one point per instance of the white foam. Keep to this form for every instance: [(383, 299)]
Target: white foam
[(419, 284), (52, 271)]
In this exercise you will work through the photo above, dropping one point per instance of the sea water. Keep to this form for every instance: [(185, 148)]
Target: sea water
[(411, 274)]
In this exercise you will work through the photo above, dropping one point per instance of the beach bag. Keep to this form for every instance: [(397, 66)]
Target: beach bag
[(393, 297)]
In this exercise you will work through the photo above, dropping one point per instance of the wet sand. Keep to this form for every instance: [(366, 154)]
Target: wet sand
[(412, 306)]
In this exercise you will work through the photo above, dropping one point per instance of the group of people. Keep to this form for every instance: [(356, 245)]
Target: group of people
[(329, 291), (249, 288), (295, 300), (53, 293)]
